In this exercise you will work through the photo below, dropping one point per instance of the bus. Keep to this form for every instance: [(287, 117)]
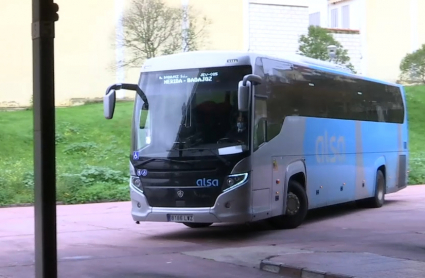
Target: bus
[(238, 137)]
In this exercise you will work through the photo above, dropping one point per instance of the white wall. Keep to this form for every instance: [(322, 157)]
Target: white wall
[(352, 42), (414, 10), (276, 27), (321, 7)]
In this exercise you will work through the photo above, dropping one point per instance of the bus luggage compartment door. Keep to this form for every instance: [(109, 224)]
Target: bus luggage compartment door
[(277, 187)]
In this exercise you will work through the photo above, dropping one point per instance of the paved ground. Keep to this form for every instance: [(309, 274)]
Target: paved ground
[(100, 240)]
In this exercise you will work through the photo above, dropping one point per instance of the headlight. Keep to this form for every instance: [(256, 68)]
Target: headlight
[(236, 180), (136, 182)]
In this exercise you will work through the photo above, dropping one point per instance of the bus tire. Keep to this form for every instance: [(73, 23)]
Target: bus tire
[(197, 225), (296, 198), (378, 199)]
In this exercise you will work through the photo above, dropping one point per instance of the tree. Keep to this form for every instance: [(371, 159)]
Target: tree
[(151, 28), (315, 45), (412, 66)]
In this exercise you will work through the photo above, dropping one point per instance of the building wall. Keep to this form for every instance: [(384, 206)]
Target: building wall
[(389, 29), (346, 29), (353, 20), (226, 30), (389, 36), (275, 26), (84, 50), (16, 53), (224, 33), (318, 10), (419, 22), (351, 41)]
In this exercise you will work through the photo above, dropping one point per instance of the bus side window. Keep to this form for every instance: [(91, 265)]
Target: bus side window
[(143, 119), (260, 133), (260, 122), (144, 131)]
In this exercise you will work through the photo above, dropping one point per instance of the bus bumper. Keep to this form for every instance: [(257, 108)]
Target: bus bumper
[(230, 207)]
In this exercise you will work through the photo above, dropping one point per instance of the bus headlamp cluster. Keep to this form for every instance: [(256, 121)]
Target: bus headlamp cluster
[(136, 182), (236, 180)]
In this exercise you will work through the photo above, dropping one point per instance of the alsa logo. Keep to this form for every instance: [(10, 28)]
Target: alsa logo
[(330, 149), (207, 182)]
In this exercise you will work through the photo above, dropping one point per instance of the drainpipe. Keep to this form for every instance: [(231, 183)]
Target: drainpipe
[(185, 25), (119, 50)]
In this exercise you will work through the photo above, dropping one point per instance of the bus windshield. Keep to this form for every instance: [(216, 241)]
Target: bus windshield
[(191, 112)]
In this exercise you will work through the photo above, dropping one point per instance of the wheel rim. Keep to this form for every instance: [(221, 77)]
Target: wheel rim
[(380, 190), (381, 194), (293, 204)]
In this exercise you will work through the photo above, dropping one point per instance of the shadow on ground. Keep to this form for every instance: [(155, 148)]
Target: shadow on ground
[(234, 233), (340, 210)]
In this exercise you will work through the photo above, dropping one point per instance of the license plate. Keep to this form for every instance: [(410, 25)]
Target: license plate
[(180, 218)]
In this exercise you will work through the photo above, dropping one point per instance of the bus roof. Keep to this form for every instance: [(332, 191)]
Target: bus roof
[(220, 58)]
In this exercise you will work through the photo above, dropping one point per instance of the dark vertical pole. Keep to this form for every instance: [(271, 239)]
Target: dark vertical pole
[(43, 18)]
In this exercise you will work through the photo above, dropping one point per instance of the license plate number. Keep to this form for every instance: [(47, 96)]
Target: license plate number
[(180, 218)]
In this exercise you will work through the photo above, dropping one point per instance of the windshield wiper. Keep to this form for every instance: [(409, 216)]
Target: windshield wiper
[(222, 159), (162, 159)]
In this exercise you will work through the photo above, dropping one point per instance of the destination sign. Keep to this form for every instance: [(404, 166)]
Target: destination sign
[(182, 78)]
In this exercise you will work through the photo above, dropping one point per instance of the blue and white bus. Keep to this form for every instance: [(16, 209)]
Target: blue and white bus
[(241, 136)]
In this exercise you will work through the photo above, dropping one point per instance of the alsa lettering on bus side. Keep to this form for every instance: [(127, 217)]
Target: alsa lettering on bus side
[(207, 182), (330, 149)]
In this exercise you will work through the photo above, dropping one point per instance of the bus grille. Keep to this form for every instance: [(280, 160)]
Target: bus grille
[(181, 197)]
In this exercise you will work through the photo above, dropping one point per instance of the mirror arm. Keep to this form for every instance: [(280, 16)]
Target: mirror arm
[(112, 87), (253, 78), (127, 86)]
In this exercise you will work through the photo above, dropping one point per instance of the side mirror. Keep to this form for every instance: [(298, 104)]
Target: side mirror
[(243, 97), (109, 104)]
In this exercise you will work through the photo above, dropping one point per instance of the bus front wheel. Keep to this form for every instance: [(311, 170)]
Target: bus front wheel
[(197, 225), (296, 207)]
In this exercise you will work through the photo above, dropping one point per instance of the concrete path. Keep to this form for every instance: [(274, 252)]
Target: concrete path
[(403, 255), (100, 240)]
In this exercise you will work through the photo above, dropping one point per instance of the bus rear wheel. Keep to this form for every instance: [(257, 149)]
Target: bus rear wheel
[(197, 225), (296, 208), (378, 199)]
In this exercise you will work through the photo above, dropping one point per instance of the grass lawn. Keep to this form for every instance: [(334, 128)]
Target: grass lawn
[(92, 153), (416, 106)]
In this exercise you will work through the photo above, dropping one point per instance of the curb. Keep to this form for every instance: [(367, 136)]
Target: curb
[(297, 272), (60, 203)]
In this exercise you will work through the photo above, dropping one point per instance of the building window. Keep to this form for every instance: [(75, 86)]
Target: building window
[(345, 10), (315, 19), (334, 18)]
